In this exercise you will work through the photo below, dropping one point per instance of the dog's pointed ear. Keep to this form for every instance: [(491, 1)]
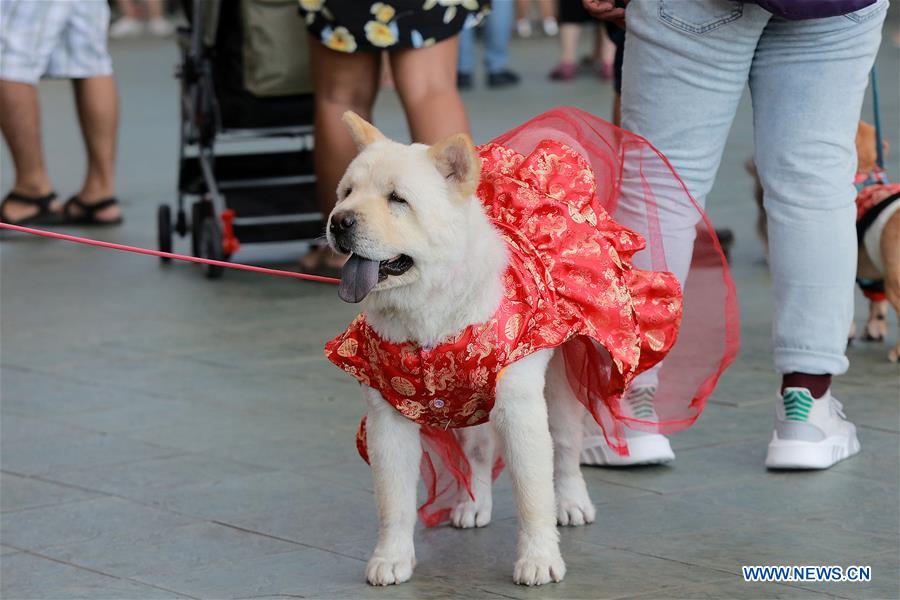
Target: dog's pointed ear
[(362, 132), (457, 160)]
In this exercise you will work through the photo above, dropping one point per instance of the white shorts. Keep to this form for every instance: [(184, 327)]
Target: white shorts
[(53, 38)]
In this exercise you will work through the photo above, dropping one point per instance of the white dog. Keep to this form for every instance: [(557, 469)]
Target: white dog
[(453, 282), (428, 263)]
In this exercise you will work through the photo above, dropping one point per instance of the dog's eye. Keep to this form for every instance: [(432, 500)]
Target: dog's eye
[(347, 192), (396, 199)]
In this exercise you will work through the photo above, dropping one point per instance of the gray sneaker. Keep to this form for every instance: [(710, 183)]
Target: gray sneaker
[(644, 448), (810, 433)]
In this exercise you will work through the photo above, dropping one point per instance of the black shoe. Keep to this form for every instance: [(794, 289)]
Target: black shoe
[(464, 81), (502, 78)]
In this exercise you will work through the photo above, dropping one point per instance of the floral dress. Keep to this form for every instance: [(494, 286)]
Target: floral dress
[(361, 26)]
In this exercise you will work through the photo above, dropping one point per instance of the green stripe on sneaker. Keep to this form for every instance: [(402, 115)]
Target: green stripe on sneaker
[(797, 405)]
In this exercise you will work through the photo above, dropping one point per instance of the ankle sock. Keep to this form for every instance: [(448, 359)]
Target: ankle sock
[(816, 384)]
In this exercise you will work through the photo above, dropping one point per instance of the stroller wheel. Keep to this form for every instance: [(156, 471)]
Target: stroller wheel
[(164, 230), (211, 246)]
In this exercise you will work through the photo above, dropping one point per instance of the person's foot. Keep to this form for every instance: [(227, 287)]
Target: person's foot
[(564, 72), (523, 28), (125, 27), (605, 71), (504, 78), (644, 448), (84, 209), (810, 433), (160, 27), (550, 26), (464, 81), (32, 206)]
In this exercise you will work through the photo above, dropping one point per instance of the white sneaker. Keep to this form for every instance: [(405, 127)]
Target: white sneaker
[(523, 28), (810, 433), (644, 448), (160, 27), (550, 26), (124, 27)]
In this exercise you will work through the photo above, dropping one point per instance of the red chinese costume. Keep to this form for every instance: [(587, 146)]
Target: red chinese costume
[(569, 283)]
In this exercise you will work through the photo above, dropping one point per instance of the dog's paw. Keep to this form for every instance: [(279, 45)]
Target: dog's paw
[(469, 513), (390, 570), (574, 513), (573, 505), (538, 570), (894, 355)]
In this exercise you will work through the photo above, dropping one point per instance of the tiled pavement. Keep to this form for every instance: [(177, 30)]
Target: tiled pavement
[(165, 436)]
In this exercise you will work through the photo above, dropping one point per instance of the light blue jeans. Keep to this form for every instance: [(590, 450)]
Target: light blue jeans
[(686, 64), (497, 31)]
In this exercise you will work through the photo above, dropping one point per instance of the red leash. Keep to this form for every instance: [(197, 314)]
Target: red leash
[(194, 259)]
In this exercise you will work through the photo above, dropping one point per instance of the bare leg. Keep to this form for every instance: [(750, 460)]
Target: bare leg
[(343, 82), (98, 114), (154, 8), (604, 49), (547, 8), (573, 504), (426, 82), (127, 8), (520, 417), (20, 121), (394, 452), (890, 251), (478, 444), (568, 42), (522, 9)]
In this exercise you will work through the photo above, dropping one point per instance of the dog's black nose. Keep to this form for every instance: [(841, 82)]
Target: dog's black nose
[(342, 222)]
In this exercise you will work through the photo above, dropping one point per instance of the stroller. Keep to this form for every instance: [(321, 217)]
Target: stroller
[(244, 78)]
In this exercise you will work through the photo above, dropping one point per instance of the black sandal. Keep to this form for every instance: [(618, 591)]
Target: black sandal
[(88, 212), (44, 215)]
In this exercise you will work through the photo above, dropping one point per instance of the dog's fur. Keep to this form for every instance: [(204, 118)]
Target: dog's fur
[(459, 259), (876, 324)]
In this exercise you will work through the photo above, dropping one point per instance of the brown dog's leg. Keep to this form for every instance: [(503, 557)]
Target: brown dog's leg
[(890, 252), (876, 324)]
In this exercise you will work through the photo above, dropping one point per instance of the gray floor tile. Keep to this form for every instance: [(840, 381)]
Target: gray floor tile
[(792, 495), (181, 549), (885, 581), (733, 588), (420, 587), (766, 543), (29, 393), (18, 492), (142, 480), (28, 576), (304, 572), (36, 528), (721, 424), (691, 469), (75, 448), (15, 429)]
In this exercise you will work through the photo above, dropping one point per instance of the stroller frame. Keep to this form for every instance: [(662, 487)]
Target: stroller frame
[(225, 210)]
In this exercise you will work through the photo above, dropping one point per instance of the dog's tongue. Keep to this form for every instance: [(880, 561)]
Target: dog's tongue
[(358, 277)]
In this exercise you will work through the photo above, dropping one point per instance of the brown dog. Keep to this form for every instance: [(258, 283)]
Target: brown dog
[(878, 269)]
